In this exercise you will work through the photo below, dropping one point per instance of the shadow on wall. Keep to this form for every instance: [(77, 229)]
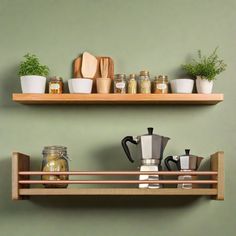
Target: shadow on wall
[(10, 83), (113, 158), (126, 202), (5, 180)]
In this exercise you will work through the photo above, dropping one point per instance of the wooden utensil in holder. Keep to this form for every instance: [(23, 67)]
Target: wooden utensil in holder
[(89, 65), (104, 65), (110, 71)]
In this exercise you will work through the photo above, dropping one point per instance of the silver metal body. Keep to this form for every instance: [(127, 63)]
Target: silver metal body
[(151, 167), (187, 163), (151, 148)]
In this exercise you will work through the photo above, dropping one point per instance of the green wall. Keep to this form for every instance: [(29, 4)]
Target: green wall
[(154, 34)]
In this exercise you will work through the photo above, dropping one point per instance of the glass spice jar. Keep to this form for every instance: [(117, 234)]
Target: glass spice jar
[(120, 83), (55, 159), (144, 82), (56, 85), (161, 84), (132, 84)]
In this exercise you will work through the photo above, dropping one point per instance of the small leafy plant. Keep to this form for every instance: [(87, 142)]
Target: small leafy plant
[(32, 66), (205, 66)]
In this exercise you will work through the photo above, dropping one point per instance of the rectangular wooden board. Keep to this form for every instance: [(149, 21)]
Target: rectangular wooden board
[(117, 191), (77, 71), (194, 99)]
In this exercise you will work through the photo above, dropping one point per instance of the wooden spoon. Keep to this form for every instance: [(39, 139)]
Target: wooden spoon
[(89, 65), (101, 67), (104, 64)]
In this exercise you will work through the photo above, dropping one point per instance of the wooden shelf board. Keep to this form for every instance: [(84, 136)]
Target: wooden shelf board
[(116, 191), (197, 99)]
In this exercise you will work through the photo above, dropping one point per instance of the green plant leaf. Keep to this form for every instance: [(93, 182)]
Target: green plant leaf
[(206, 66), (32, 66)]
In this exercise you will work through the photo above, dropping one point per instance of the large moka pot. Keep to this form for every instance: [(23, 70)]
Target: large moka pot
[(151, 147), (187, 163)]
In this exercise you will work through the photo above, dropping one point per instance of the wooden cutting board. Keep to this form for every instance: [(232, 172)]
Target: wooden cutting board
[(78, 64)]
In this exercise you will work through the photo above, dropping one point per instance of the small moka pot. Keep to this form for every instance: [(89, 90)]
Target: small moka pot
[(186, 163)]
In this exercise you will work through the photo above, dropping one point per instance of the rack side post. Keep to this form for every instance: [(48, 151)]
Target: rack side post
[(217, 164), (20, 162)]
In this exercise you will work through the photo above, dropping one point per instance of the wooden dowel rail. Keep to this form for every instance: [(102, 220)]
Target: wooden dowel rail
[(118, 181), (118, 173)]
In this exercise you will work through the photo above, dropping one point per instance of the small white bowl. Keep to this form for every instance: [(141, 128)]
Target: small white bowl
[(182, 85), (80, 85)]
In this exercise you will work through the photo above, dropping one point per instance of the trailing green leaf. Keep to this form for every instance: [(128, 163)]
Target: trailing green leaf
[(204, 66), (32, 66)]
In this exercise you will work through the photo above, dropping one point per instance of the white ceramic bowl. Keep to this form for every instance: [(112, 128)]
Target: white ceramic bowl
[(70, 86), (80, 85), (182, 85)]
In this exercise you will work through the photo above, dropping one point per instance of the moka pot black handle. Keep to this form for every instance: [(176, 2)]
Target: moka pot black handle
[(126, 148), (170, 159)]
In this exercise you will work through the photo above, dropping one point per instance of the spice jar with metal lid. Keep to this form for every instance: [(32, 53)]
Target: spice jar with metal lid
[(56, 85), (120, 83), (161, 84), (144, 82), (132, 84), (55, 159)]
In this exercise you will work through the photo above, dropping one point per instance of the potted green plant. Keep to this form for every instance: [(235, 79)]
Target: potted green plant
[(205, 69), (32, 74)]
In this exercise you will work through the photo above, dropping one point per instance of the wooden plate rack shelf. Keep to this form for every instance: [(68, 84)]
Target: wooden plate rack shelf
[(211, 185), (94, 98)]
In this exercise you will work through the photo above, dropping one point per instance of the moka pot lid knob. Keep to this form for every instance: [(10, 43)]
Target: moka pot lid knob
[(150, 130)]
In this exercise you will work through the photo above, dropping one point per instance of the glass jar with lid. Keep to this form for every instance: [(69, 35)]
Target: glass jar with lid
[(55, 159), (161, 84), (144, 82), (120, 83), (132, 84), (56, 85)]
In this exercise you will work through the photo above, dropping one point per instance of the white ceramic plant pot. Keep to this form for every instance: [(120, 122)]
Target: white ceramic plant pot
[(203, 85), (80, 85), (33, 84), (182, 85)]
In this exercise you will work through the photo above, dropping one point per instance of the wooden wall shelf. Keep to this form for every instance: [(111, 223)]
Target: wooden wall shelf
[(196, 99), (212, 185), (116, 191)]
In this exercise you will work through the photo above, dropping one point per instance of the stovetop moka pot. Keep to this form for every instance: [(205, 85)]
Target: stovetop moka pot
[(186, 162), (151, 147)]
